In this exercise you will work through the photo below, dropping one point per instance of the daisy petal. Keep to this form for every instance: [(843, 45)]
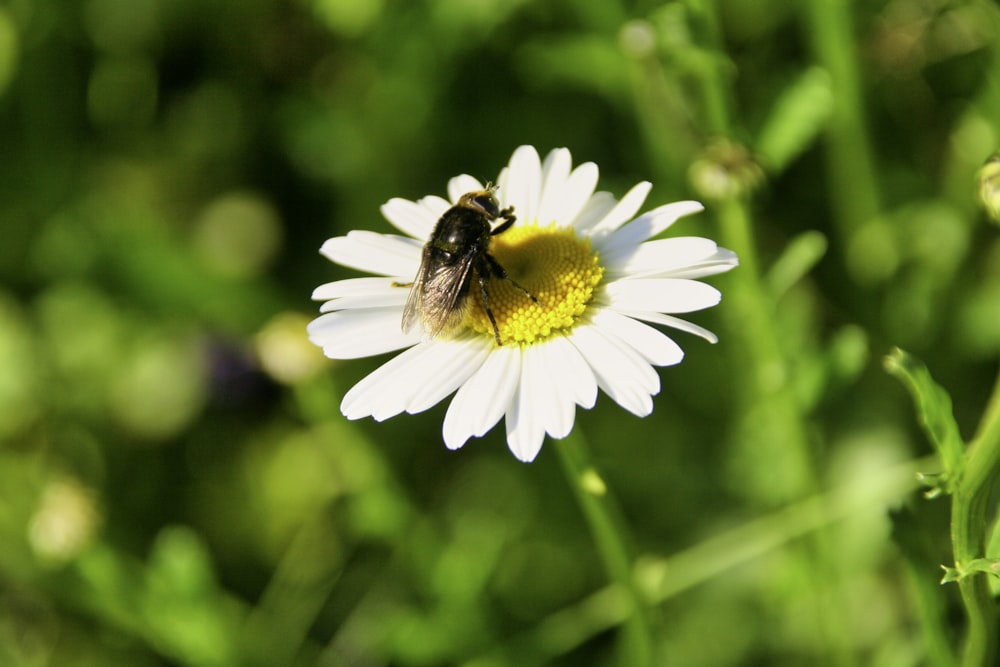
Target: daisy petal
[(673, 322), (525, 433), (666, 295), (444, 373), (723, 260), (574, 373), (619, 370), (459, 185), (594, 210), (389, 299), (382, 254), (351, 334), (410, 217), (523, 183), (377, 394), (555, 173), (547, 395), (484, 398), (624, 210), (414, 380), (648, 225), (658, 257), (353, 287), (564, 381), (360, 293), (577, 192), (655, 347), (535, 404), (690, 258), (435, 205), (550, 395)]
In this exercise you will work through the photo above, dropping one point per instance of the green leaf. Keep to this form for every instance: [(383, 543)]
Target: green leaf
[(184, 611), (933, 406), (799, 257), (798, 116), (987, 565), (951, 575), (934, 483)]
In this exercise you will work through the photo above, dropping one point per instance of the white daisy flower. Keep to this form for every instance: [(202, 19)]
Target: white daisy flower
[(599, 282)]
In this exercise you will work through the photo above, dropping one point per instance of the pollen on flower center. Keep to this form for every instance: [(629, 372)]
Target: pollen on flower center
[(555, 265)]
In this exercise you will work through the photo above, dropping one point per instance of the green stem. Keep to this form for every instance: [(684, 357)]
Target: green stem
[(849, 152), (750, 307), (714, 90), (984, 451), (770, 407), (768, 396), (968, 526), (606, 527)]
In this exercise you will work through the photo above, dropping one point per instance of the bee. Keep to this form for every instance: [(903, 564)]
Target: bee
[(457, 251)]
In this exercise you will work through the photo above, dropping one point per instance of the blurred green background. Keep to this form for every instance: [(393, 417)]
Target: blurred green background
[(177, 486)]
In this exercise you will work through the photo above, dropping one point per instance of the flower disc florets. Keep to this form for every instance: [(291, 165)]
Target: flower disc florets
[(556, 266)]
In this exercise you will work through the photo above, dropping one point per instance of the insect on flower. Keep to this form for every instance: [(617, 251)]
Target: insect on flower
[(602, 283), (457, 251)]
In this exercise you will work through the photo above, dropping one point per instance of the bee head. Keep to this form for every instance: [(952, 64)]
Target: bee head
[(484, 201)]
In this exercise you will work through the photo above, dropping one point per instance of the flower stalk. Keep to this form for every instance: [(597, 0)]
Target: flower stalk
[(769, 402), (850, 161), (607, 528), (969, 522)]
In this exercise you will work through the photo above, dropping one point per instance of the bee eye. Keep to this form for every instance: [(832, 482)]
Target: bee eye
[(488, 203)]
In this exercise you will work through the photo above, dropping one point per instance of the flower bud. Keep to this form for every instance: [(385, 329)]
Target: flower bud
[(988, 180)]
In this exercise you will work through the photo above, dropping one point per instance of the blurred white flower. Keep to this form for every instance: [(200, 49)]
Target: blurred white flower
[(599, 282)]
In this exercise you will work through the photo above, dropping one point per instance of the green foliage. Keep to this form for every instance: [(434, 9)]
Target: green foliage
[(987, 565), (798, 118), (934, 410), (178, 487)]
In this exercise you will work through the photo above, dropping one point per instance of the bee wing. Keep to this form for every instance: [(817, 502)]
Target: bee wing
[(435, 295), (412, 308)]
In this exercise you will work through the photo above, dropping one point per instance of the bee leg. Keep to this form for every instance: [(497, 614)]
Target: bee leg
[(508, 219), (484, 278), (500, 272)]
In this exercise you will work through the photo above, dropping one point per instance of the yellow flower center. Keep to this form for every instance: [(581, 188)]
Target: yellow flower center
[(555, 265)]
